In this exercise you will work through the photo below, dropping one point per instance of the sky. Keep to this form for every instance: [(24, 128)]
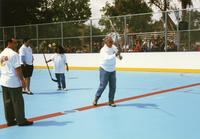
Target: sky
[(96, 5)]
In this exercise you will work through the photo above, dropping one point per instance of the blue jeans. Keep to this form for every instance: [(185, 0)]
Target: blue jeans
[(106, 77), (61, 80)]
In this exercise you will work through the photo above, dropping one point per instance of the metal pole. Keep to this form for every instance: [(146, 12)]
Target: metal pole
[(62, 38), (125, 34), (178, 32), (14, 31), (165, 26), (91, 36), (4, 45), (189, 33), (37, 37)]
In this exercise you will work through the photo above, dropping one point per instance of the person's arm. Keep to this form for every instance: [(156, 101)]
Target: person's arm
[(48, 60), (16, 65), (22, 56), (65, 60), (67, 66), (32, 59), (52, 58), (117, 53), (23, 60), (19, 73)]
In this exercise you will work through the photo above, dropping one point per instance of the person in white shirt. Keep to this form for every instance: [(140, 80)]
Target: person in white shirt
[(108, 56), (12, 82), (60, 62), (26, 57)]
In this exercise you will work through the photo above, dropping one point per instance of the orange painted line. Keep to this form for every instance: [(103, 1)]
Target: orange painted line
[(155, 93), (3, 126), (91, 107), (137, 97), (46, 116), (38, 118), (106, 103)]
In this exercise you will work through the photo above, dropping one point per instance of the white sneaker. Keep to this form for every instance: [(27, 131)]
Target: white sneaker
[(65, 89), (58, 89)]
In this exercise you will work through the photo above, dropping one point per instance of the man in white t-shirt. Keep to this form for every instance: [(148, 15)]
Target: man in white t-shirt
[(12, 82), (26, 58), (108, 56)]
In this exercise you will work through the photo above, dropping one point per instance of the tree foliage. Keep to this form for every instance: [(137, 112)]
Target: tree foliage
[(71, 10), (125, 7), (19, 12), (163, 5)]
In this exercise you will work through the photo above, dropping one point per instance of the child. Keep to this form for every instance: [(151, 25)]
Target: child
[(60, 62)]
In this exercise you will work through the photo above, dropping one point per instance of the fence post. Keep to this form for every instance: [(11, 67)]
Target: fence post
[(91, 36), (4, 45), (178, 32), (37, 37), (189, 28), (165, 26), (125, 34), (62, 38), (15, 32)]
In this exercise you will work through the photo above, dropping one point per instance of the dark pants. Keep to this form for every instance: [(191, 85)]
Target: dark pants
[(27, 70), (61, 80), (106, 77), (13, 104)]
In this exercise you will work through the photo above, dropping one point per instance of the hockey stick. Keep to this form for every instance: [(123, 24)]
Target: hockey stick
[(48, 68), (117, 39)]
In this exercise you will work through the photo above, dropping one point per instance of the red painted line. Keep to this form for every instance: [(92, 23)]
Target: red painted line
[(46, 116), (106, 103), (38, 118), (137, 97), (3, 126)]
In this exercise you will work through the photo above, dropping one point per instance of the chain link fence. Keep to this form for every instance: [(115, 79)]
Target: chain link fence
[(146, 32)]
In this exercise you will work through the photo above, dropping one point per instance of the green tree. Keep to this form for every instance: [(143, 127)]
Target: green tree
[(125, 7), (64, 10), (163, 5), (194, 25), (184, 5), (67, 10), (18, 12)]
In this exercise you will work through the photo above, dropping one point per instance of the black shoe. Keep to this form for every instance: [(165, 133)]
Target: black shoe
[(112, 104), (95, 101), (26, 123), (29, 93), (12, 123)]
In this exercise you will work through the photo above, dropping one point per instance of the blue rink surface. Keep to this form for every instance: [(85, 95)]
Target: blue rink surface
[(170, 115)]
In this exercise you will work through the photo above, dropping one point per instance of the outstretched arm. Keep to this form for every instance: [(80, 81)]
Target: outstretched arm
[(67, 66), (118, 53), (49, 61)]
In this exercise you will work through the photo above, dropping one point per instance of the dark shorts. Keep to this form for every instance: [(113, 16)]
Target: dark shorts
[(27, 70)]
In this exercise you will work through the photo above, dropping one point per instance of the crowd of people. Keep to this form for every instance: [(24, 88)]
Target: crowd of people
[(136, 44), (133, 44)]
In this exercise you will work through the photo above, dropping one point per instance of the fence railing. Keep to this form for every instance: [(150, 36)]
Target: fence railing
[(162, 31)]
